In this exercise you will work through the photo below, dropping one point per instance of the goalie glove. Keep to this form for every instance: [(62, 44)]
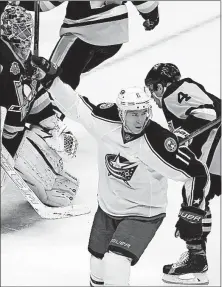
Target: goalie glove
[(182, 134), (45, 72), (152, 20), (62, 140), (189, 225)]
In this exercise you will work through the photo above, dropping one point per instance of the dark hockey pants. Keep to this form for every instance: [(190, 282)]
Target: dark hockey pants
[(76, 57)]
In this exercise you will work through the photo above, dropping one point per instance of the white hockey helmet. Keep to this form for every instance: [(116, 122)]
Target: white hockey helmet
[(133, 99)]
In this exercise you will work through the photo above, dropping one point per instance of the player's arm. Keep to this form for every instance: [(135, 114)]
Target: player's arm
[(149, 11), (178, 164), (44, 5)]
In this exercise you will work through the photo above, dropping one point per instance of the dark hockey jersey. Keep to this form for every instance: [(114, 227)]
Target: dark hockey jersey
[(19, 95), (188, 105), (101, 23)]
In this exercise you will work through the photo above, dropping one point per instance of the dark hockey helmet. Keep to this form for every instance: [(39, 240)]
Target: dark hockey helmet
[(17, 26), (162, 73)]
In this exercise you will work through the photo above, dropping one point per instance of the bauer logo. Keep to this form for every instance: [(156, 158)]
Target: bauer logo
[(15, 70), (190, 217), (170, 144), (106, 105)]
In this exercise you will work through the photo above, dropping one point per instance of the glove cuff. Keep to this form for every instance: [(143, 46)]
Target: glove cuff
[(193, 209), (153, 15)]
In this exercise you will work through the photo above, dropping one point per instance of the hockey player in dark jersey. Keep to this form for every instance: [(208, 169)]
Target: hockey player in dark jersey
[(92, 32), (187, 106), (135, 158), (38, 150)]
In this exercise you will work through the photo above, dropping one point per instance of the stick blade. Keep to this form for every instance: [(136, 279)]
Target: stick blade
[(65, 212)]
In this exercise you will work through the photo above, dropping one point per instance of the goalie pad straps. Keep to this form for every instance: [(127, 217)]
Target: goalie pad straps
[(4, 177), (3, 112), (42, 169)]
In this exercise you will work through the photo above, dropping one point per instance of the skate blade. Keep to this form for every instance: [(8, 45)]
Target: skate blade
[(187, 279)]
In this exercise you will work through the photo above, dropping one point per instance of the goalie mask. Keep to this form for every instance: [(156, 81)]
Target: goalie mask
[(17, 29), (134, 109)]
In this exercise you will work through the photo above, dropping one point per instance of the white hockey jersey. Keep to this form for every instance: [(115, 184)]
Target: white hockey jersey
[(132, 175)]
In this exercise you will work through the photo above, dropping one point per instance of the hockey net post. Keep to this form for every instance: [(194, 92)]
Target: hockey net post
[(200, 130), (36, 27)]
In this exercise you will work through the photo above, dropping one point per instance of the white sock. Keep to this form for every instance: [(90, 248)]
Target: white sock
[(96, 271), (116, 269)]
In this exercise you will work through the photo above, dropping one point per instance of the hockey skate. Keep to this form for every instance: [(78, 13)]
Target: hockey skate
[(189, 270)]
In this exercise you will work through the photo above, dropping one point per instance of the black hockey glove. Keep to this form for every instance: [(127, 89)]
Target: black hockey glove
[(152, 20), (50, 71), (189, 225)]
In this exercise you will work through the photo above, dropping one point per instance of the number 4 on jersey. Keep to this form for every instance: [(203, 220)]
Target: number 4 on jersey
[(182, 96)]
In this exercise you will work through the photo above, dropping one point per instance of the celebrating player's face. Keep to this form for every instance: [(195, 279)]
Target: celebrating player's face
[(135, 120)]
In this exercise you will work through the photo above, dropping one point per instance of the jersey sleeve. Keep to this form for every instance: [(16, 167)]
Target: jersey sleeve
[(167, 158), (44, 5), (41, 108), (145, 7), (188, 98)]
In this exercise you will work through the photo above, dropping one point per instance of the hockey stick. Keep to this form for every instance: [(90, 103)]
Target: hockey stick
[(43, 210), (36, 27), (200, 130)]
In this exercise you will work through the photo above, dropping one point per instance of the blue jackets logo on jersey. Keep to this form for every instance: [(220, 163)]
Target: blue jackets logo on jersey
[(120, 167)]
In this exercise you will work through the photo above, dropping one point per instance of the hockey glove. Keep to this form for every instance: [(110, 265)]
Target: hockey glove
[(46, 71), (152, 20), (182, 134), (189, 225)]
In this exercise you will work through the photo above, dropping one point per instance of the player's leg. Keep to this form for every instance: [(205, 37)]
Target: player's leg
[(42, 168), (192, 265), (72, 55), (128, 243), (102, 231), (101, 54)]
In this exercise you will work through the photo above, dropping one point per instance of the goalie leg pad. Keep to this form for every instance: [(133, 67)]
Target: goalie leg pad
[(42, 168), (4, 177)]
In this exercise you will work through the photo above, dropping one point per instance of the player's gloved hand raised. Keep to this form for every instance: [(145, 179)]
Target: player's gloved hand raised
[(152, 20), (46, 71), (182, 134), (189, 225)]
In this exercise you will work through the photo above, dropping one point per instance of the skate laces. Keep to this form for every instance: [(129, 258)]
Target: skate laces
[(182, 260)]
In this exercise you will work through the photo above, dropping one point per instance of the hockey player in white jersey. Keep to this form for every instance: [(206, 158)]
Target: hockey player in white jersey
[(37, 151), (135, 158), (187, 106), (93, 32)]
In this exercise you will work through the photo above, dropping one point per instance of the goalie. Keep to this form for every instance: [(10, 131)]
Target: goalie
[(33, 138)]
